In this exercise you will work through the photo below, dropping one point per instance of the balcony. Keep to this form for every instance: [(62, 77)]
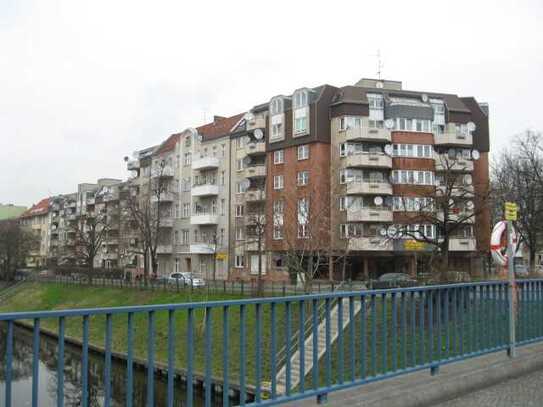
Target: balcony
[(110, 256), (464, 216), (368, 160), (256, 148), (204, 219), (456, 190), (90, 201), (71, 217), (370, 244), (71, 204), (166, 222), (133, 165), (205, 190), (365, 133), (378, 188), (369, 215), (164, 197), (255, 195), (166, 172), (164, 248), (205, 163), (443, 163), (202, 248), (252, 245), (458, 244), (452, 138), (257, 171)]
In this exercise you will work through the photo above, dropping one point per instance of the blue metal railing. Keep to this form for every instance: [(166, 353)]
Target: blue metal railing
[(225, 352)]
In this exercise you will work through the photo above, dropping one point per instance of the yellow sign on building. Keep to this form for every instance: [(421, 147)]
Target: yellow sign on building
[(221, 256), (510, 211), (414, 245)]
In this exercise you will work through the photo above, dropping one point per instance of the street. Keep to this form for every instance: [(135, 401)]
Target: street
[(524, 391)]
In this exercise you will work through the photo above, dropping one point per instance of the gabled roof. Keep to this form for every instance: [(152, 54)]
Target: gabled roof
[(219, 127), (168, 145), (41, 208)]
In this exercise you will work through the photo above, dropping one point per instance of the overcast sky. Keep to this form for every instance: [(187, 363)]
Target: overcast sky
[(84, 83)]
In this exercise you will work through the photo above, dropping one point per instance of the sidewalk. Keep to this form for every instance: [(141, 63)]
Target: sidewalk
[(454, 380)]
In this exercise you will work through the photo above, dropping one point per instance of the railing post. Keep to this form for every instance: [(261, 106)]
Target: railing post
[(512, 351), (322, 398)]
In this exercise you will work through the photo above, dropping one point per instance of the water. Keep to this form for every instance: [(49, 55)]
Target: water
[(22, 377)]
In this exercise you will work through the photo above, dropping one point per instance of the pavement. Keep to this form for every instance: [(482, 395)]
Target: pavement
[(524, 391), (489, 380)]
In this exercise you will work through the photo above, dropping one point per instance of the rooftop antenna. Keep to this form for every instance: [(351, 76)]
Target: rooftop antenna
[(380, 64)]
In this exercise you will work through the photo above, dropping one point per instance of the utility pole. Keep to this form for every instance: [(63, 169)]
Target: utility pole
[(510, 216)]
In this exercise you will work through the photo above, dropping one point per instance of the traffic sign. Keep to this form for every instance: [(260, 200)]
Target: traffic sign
[(510, 211)]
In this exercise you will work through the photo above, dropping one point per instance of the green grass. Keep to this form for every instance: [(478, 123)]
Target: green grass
[(54, 296)]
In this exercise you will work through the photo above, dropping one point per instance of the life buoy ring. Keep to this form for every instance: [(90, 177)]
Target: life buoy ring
[(498, 243)]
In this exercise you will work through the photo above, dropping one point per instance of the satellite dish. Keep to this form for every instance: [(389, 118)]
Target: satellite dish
[(468, 179), (392, 231), (389, 123), (471, 126), (259, 134), (388, 149), (469, 205), (475, 154), (378, 201), (424, 97), (379, 85), (383, 232)]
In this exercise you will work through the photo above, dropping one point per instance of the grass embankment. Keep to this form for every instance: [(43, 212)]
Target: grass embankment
[(53, 296)]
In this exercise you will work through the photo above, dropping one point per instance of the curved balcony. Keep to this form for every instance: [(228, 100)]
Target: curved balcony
[(257, 171), (255, 196), (366, 133), (443, 163), (368, 160), (361, 188), (452, 138), (369, 215), (205, 190), (256, 148), (204, 219), (370, 244)]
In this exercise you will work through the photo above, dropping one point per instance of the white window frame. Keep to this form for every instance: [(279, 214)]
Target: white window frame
[(302, 178), (279, 157), (303, 152), (278, 182)]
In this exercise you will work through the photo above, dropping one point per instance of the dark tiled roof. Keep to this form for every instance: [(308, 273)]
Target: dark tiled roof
[(168, 145), (41, 208), (358, 94)]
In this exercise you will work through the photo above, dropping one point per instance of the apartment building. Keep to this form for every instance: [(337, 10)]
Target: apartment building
[(396, 151), (36, 221), (343, 168)]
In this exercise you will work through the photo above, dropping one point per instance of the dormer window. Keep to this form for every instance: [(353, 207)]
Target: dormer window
[(300, 113), (277, 118)]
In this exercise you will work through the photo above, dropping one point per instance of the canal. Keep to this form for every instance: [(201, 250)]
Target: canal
[(22, 376)]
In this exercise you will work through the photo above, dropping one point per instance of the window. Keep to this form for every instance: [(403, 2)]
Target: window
[(185, 236), (239, 211), (303, 152), (279, 157), (240, 187), (186, 210), (277, 233), (222, 177), (300, 98), (376, 124), (350, 122), (240, 165), (223, 205), (412, 150), (239, 261), (350, 230), (303, 211), (303, 178), (187, 159), (376, 101), (300, 121), (239, 233), (303, 232), (175, 237), (188, 141), (412, 177), (278, 182)]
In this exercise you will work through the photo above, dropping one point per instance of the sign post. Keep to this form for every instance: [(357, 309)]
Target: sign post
[(510, 216)]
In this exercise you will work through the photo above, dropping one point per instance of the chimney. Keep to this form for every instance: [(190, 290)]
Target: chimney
[(218, 118)]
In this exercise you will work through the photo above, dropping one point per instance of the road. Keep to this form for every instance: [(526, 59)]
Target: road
[(525, 391)]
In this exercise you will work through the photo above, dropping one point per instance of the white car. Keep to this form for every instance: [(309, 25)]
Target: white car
[(186, 279)]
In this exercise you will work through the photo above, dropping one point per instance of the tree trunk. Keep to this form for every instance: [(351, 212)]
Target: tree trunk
[(532, 260), (259, 282), (145, 267), (444, 259)]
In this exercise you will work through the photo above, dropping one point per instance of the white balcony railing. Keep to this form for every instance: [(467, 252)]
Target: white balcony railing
[(370, 244), (164, 197), (255, 195), (202, 248), (204, 219), (369, 215), (256, 148), (205, 163), (371, 160), (452, 138), (380, 188), (256, 171), (205, 190), (444, 163), (458, 244), (366, 133)]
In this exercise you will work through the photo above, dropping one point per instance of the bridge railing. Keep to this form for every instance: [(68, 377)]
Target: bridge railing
[(225, 352)]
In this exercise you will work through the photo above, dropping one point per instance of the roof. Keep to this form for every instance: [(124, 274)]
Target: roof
[(358, 94), (168, 145), (219, 127), (10, 211), (41, 208)]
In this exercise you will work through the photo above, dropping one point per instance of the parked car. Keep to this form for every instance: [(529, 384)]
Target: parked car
[(185, 278)]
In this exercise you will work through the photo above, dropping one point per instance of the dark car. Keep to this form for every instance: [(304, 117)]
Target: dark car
[(391, 280)]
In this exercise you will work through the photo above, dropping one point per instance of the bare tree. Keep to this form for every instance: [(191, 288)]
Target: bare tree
[(257, 223), (517, 176), (15, 245), (143, 211), (441, 212)]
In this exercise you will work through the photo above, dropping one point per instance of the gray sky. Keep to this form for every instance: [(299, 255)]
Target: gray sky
[(84, 83)]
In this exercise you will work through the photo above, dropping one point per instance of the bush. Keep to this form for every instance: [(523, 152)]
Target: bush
[(83, 272)]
